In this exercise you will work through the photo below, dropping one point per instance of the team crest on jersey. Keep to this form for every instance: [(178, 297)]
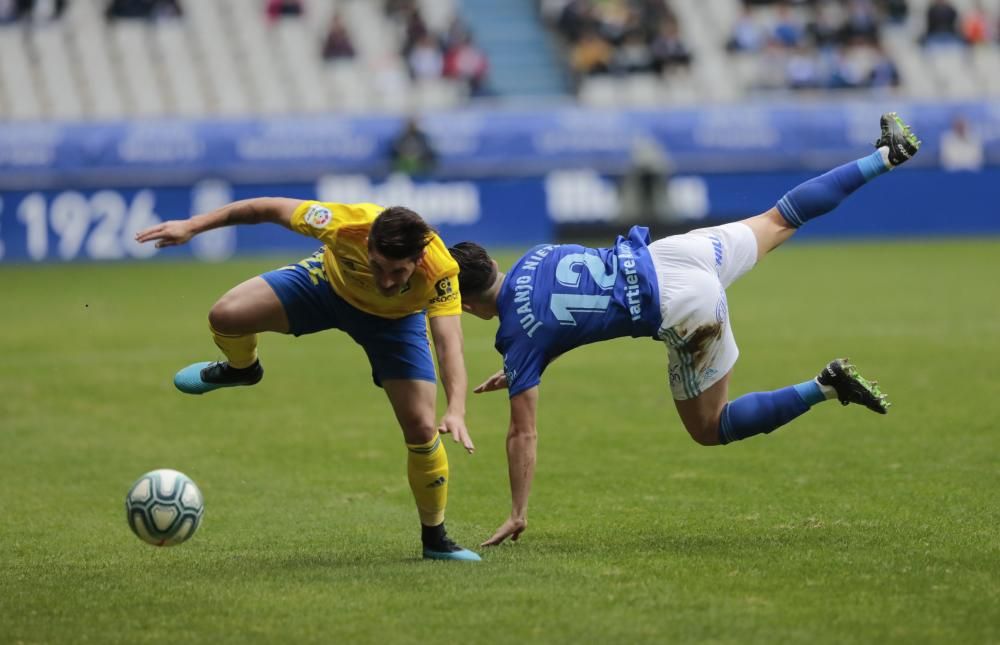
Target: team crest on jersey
[(318, 216)]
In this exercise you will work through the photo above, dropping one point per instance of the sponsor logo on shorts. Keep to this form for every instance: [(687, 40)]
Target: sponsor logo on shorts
[(318, 216), (721, 309)]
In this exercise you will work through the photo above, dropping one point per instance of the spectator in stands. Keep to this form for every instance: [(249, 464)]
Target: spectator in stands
[(613, 20), (827, 29), (425, 59), (143, 9), (788, 30), (747, 34), (895, 10), (277, 9), (802, 71), (961, 148), (8, 12), (577, 20), (942, 24), (668, 49), (861, 26), (464, 61), (884, 72), (39, 11), (415, 30), (591, 54), (976, 25), (412, 152), (652, 12), (337, 44), (633, 56), (457, 33)]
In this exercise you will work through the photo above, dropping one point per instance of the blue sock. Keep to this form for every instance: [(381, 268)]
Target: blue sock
[(762, 412), (822, 194)]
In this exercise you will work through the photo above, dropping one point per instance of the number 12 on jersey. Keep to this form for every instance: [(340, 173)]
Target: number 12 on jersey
[(568, 273)]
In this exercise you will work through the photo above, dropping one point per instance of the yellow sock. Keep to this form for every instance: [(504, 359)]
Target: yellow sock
[(240, 350), (427, 467)]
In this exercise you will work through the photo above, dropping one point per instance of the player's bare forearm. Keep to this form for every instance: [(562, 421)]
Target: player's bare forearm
[(522, 441), (274, 210), (448, 344), (277, 210), (447, 334)]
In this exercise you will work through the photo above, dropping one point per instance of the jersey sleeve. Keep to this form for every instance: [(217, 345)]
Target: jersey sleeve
[(322, 219), (523, 365), (446, 300), (443, 299)]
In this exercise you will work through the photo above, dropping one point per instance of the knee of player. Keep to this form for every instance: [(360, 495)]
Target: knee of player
[(225, 317), (419, 430)]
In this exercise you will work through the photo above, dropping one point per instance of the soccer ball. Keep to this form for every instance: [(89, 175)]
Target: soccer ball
[(164, 507)]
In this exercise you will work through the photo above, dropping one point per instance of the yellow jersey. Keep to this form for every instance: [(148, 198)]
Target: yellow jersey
[(343, 229)]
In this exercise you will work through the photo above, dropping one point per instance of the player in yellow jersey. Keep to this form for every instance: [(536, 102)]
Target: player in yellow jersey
[(380, 270)]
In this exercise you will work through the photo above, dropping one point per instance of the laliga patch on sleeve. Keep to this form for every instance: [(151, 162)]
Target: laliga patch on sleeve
[(318, 216)]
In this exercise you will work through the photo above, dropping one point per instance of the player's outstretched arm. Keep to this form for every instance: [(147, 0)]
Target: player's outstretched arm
[(277, 210), (447, 333), (522, 440)]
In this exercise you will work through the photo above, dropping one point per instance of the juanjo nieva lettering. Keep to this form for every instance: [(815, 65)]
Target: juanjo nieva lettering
[(523, 287)]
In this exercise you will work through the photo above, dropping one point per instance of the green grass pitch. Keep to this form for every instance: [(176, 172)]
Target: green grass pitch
[(845, 527)]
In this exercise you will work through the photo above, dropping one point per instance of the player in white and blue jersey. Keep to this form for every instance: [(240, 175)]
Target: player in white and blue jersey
[(557, 297)]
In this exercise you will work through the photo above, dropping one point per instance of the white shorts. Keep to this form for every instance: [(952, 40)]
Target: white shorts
[(694, 270)]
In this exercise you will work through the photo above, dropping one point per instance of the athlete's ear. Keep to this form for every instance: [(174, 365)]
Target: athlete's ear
[(419, 258)]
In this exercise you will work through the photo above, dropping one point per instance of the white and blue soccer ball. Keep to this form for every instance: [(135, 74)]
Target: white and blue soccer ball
[(164, 507)]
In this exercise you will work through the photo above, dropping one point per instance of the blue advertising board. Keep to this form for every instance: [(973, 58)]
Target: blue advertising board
[(75, 225), (472, 143), (88, 224)]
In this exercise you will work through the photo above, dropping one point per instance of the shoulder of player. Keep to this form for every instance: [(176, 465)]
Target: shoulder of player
[(437, 263), (335, 215)]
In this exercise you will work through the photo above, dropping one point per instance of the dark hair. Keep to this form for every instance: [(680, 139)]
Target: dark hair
[(399, 233), (476, 271)]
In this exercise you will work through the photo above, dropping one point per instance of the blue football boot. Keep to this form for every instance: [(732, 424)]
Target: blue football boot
[(438, 546), (199, 378)]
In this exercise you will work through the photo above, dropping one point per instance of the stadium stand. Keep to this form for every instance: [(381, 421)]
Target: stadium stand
[(644, 53), (98, 59), (95, 59)]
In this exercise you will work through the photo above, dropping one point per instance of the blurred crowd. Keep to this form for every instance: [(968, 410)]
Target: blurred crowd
[(618, 36), (800, 44), (830, 44), (452, 54)]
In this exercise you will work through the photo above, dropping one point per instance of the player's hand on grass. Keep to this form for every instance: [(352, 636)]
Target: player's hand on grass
[(170, 233), (496, 382), (512, 529), (454, 424)]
